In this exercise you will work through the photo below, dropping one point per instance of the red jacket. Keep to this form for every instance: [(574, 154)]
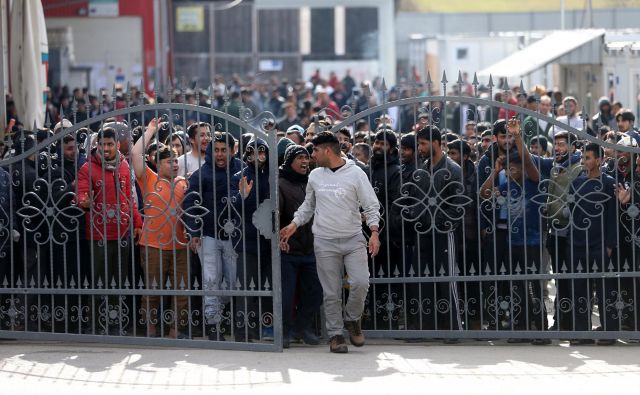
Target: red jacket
[(113, 203)]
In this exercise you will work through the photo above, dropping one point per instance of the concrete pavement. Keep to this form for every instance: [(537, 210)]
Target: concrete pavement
[(383, 367)]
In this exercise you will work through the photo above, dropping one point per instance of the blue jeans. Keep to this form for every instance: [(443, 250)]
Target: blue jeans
[(218, 260), (310, 299)]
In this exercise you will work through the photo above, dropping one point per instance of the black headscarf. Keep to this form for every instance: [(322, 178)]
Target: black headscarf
[(289, 156)]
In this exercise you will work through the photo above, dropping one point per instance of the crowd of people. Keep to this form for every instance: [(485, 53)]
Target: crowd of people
[(433, 189)]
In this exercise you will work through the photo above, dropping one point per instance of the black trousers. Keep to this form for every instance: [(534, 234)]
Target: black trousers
[(434, 305)]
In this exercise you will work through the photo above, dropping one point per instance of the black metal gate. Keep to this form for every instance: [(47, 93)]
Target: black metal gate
[(79, 265), (547, 255)]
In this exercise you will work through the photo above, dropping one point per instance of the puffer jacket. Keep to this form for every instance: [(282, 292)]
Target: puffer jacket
[(211, 186), (113, 209)]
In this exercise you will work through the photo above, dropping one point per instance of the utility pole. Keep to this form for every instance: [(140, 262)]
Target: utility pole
[(3, 58)]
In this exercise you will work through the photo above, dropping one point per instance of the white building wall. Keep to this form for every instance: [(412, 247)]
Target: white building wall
[(112, 46)]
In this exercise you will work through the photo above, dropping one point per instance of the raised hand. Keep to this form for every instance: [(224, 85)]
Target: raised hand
[(245, 187)]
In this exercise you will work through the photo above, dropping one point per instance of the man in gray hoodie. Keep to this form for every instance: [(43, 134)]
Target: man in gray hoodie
[(336, 191)]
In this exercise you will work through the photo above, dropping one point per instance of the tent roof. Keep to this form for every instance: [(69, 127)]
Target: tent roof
[(566, 46)]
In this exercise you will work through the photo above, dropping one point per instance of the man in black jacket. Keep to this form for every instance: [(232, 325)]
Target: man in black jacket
[(469, 256), (435, 208), (386, 181), (298, 261)]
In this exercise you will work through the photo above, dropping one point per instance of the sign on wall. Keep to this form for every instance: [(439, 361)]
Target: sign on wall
[(103, 8), (190, 19)]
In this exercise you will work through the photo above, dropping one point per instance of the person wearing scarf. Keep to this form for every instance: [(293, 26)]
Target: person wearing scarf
[(298, 263)]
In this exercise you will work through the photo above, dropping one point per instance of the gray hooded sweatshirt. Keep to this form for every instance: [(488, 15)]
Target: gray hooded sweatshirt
[(334, 199)]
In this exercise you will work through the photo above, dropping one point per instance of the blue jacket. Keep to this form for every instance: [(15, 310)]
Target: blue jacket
[(210, 186), (244, 208), (522, 212)]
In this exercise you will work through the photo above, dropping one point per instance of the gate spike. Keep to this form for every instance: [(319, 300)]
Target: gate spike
[(579, 268), (196, 284), (72, 283), (154, 283), (490, 85), (113, 282), (267, 285), (472, 270), (456, 270), (411, 271), (182, 284), (442, 272), (381, 272), (32, 283), (487, 270), (460, 80), (594, 268), (114, 93), (183, 89), (5, 283), (99, 283), (127, 284), (47, 120), (59, 283), (85, 283), (19, 283), (503, 270), (518, 269), (396, 272), (238, 284), (168, 283), (252, 284), (127, 94), (522, 91), (383, 86), (610, 267), (427, 272), (211, 96), (475, 82), (444, 78), (563, 268), (429, 82), (140, 283), (625, 267), (169, 98)]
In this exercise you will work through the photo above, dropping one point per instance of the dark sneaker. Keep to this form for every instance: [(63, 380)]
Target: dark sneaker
[(540, 342), (338, 345), (310, 338), (356, 337)]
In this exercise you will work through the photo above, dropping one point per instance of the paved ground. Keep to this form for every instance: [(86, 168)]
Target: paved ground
[(467, 368)]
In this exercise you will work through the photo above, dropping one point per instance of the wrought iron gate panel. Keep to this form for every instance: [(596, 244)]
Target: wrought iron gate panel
[(78, 273), (495, 285)]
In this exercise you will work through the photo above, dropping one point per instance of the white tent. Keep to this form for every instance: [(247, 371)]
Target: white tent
[(29, 60), (566, 46)]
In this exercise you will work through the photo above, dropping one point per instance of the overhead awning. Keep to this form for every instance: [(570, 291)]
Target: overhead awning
[(565, 47)]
